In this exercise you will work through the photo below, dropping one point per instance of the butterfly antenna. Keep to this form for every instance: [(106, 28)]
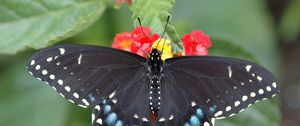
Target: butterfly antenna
[(141, 26), (164, 31), (143, 34)]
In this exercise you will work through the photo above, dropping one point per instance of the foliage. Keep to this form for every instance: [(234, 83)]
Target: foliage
[(238, 29), (39, 23)]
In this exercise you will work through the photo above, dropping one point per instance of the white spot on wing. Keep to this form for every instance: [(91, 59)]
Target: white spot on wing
[(32, 62), (206, 124), (259, 78), (162, 119), (114, 101), (269, 88), (37, 67), (49, 59), (228, 108), (248, 67), (62, 51), (62, 95), (82, 106), (244, 98), (54, 88), (79, 59), (99, 121), (136, 116), (44, 72), (252, 94), (229, 71), (242, 83), (76, 95), (67, 88), (274, 84), (97, 107), (144, 119), (193, 103), (112, 94), (52, 77), (93, 117), (218, 113), (71, 101), (237, 103), (171, 117), (85, 102), (60, 82), (213, 121), (261, 91), (231, 115)]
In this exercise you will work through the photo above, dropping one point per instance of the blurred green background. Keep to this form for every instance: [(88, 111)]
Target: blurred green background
[(263, 31)]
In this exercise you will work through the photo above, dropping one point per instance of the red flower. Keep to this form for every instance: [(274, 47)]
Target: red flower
[(136, 42), (196, 43), (142, 40), (120, 2), (122, 41)]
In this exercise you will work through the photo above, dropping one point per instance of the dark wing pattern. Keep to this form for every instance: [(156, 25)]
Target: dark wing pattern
[(127, 107), (196, 90), (86, 75)]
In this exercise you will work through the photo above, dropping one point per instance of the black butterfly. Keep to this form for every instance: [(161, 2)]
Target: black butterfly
[(126, 89)]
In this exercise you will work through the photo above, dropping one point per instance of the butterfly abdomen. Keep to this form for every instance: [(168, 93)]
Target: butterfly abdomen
[(154, 96)]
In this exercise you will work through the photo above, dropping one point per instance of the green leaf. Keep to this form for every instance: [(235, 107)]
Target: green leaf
[(290, 23), (39, 23), (26, 101), (225, 48), (244, 23), (154, 13)]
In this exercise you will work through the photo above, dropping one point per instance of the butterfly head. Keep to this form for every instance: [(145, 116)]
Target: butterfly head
[(155, 55)]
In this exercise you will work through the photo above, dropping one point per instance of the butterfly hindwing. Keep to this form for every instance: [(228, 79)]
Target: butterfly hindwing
[(85, 74), (219, 87), (128, 106)]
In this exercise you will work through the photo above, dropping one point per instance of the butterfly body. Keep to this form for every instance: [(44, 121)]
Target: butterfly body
[(124, 88), (155, 69)]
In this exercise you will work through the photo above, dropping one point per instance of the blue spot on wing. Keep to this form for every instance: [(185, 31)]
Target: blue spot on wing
[(186, 124), (111, 119), (92, 98), (212, 109), (194, 121), (119, 123), (199, 113), (107, 108)]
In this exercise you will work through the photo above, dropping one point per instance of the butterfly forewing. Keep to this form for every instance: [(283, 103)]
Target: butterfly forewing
[(219, 87), (85, 74)]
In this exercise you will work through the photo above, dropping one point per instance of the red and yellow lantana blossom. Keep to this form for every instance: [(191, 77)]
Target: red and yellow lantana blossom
[(140, 41)]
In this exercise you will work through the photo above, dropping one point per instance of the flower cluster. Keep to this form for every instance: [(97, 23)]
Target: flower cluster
[(196, 43), (120, 2), (140, 41)]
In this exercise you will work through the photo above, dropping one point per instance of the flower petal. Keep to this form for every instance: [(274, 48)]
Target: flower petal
[(196, 43), (122, 41)]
